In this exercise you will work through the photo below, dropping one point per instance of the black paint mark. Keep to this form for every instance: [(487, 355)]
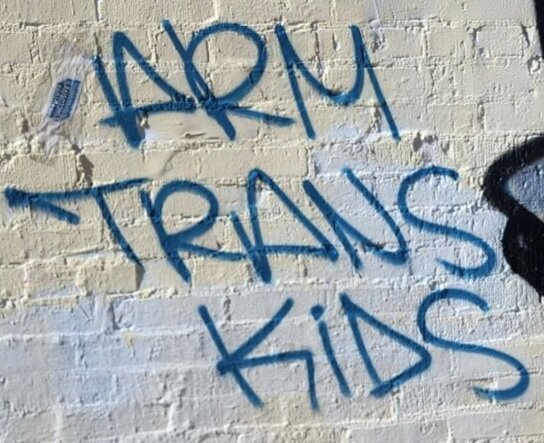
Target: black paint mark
[(539, 11), (523, 237)]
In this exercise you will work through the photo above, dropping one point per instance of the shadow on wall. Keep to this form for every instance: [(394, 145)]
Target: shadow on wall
[(513, 186)]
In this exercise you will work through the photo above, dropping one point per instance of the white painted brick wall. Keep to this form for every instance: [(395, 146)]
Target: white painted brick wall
[(94, 347)]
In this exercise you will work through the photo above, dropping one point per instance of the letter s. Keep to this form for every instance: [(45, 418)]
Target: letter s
[(460, 294)]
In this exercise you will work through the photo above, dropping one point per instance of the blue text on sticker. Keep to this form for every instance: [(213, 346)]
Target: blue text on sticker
[(64, 99)]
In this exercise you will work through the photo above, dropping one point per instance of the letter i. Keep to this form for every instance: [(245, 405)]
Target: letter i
[(317, 312)]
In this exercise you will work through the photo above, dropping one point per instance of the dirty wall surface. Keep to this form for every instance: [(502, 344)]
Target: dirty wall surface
[(280, 221)]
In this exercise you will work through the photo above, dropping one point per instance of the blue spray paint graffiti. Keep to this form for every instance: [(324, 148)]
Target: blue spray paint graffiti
[(433, 228), (317, 313), (127, 116), (362, 63), (381, 387), (234, 362), (256, 251), (343, 229), (48, 202), (218, 107), (462, 295)]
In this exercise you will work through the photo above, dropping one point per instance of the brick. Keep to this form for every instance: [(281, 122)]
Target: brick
[(232, 10), (453, 43), (95, 423), (19, 47), (428, 432), (143, 12), (12, 282), (38, 12), (179, 313), (50, 318), (233, 163), (496, 425), (21, 354), (28, 427), (61, 243), (114, 276), (155, 350), (164, 164), (499, 42), (48, 387), (391, 11), (488, 10), (53, 278), (34, 174)]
